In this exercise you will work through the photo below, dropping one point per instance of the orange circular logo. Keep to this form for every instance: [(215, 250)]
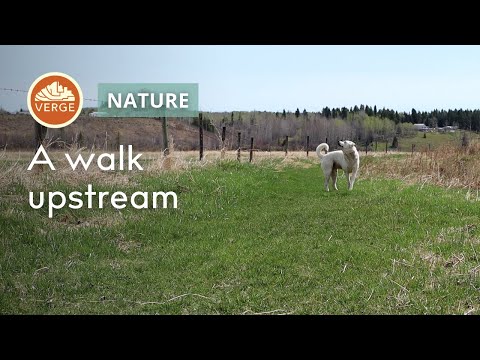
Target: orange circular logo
[(55, 100)]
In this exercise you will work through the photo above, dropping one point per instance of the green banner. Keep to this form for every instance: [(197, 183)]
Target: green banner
[(147, 100)]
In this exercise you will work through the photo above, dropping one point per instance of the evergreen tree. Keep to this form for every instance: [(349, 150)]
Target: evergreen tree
[(326, 112), (414, 116), (383, 113), (368, 110), (297, 113)]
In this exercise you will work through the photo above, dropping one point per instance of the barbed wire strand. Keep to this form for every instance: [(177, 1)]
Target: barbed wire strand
[(25, 91)]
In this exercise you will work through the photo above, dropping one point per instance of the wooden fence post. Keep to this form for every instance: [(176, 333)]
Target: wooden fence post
[(166, 150), (40, 132), (376, 143), (286, 145), (251, 149), (366, 148), (308, 143), (222, 151), (200, 124), (238, 147), (386, 146), (413, 148)]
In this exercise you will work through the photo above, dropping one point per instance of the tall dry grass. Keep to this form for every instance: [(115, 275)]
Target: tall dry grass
[(14, 173), (446, 166), (14, 164)]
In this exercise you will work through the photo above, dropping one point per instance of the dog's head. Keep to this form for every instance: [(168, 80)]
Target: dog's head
[(347, 145)]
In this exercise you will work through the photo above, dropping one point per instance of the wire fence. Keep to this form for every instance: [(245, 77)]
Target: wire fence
[(304, 144), (26, 91)]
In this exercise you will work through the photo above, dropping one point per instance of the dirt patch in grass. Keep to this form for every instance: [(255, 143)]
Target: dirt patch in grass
[(454, 254), (125, 245), (430, 258), (294, 162), (458, 234), (72, 222)]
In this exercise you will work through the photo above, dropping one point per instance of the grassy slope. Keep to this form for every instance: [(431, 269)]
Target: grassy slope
[(434, 139), (247, 239)]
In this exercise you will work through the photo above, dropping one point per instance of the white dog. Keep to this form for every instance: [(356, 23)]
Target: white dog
[(347, 159)]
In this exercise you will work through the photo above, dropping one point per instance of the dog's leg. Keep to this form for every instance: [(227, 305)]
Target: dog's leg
[(334, 179), (352, 180), (327, 174), (327, 178), (349, 180)]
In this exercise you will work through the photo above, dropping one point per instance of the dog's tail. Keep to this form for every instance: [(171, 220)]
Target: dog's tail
[(322, 146)]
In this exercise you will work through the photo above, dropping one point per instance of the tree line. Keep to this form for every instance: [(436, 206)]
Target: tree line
[(464, 119), (363, 123), (269, 129)]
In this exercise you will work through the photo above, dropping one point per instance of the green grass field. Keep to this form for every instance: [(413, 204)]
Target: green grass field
[(433, 139), (245, 239)]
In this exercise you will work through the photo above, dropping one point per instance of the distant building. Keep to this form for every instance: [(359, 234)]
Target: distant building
[(421, 127), (447, 129)]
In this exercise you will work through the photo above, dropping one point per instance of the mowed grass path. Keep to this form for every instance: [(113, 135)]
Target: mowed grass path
[(246, 239)]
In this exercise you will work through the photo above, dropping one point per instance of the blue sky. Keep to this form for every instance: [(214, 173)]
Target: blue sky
[(261, 78)]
